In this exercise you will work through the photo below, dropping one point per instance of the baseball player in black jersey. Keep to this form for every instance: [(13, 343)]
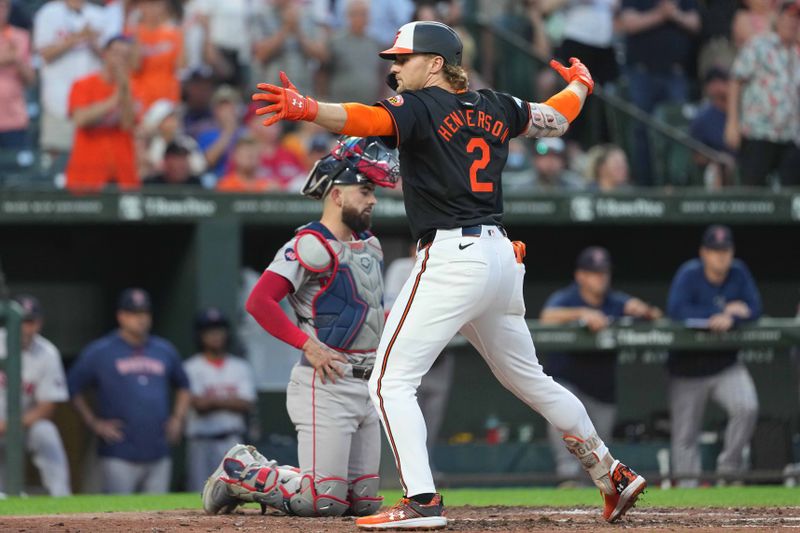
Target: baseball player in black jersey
[(468, 277)]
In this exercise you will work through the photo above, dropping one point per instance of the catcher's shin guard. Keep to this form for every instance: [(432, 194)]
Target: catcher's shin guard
[(289, 478), (326, 497), (363, 495), (241, 478)]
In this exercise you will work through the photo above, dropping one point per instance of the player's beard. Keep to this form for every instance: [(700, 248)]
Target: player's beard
[(357, 221)]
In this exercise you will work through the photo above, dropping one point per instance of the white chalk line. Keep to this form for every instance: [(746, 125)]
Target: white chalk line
[(732, 521)]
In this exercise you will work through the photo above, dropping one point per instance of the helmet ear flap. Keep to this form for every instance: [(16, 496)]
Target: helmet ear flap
[(319, 180)]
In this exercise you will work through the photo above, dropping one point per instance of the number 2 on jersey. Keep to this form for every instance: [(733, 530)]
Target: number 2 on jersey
[(478, 143)]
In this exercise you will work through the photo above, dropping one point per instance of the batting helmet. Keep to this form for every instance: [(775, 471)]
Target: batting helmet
[(426, 37), (355, 160)]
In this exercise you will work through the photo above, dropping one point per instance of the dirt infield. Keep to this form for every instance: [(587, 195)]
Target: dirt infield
[(512, 519)]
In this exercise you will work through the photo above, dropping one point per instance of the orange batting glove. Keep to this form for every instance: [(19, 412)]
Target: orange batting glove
[(576, 72), (285, 102)]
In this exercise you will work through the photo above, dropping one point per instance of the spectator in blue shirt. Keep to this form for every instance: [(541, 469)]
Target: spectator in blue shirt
[(708, 126), (591, 376), (715, 292), (131, 373), (218, 141)]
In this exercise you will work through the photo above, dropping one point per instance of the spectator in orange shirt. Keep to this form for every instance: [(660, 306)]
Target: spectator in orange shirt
[(159, 51), (15, 73), (103, 107), (243, 178)]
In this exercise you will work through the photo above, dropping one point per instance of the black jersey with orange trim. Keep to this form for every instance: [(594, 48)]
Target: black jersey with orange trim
[(453, 147)]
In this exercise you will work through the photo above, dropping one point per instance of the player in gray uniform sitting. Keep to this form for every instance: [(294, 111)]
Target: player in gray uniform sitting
[(331, 270)]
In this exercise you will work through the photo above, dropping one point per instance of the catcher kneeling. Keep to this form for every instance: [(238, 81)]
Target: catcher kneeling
[(246, 476), (331, 271)]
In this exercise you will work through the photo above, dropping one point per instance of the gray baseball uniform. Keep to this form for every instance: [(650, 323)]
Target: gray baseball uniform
[(212, 434), (42, 381), (340, 302)]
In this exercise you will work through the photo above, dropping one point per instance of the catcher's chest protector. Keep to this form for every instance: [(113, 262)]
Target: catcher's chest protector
[(348, 310)]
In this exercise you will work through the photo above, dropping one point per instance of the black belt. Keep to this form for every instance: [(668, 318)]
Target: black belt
[(362, 372), (466, 231)]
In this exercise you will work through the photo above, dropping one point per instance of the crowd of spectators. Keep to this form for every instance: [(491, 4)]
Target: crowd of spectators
[(156, 92)]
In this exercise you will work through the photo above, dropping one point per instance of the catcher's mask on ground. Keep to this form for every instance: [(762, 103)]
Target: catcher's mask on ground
[(355, 160)]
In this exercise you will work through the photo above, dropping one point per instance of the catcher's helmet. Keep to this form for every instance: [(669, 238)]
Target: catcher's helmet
[(355, 160), (426, 37)]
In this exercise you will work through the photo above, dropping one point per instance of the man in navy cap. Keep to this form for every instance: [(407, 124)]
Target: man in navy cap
[(223, 393), (43, 386), (591, 376), (714, 291), (132, 373)]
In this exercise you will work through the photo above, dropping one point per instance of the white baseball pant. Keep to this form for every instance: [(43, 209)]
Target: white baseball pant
[(472, 285), (44, 443)]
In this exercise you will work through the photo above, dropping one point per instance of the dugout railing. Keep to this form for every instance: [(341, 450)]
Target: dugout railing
[(11, 365)]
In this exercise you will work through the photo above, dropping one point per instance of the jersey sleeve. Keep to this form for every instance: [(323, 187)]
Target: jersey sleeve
[(82, 375), (617, 301), (52, 385), (746, 62), (45, 31), (518, 112), (408, 114), (559, 299), (287, 265)]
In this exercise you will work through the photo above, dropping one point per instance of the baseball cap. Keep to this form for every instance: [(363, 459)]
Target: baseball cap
[(715, 73), (426, 37), (717, 237), (113, 38), (157, 112), (549, 146), (134, 299), (31, 307), (225, 93), (594, 259), (199, 73), (177, 147), (210, 317)]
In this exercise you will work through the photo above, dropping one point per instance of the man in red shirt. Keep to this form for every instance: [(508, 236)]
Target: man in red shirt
[(104, 110)]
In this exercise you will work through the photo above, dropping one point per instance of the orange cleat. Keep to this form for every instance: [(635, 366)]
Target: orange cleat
[(407, 514), (628, 486)]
